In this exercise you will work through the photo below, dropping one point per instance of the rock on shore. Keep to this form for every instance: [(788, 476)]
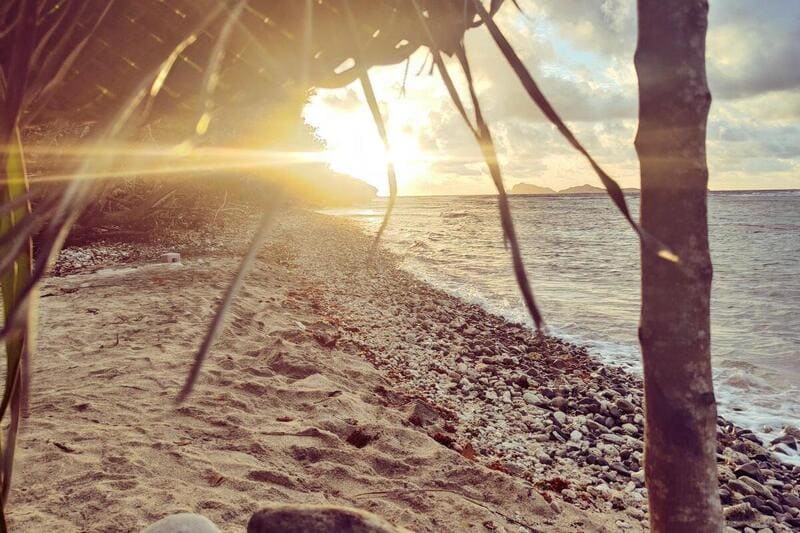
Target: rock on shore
[(534, 406)]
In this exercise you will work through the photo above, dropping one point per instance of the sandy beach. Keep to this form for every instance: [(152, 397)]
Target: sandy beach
[(336, 380)]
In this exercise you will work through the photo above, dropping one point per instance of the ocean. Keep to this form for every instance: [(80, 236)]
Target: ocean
[(583, 262)]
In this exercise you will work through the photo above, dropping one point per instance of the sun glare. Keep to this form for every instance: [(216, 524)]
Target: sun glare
[(343, 122)]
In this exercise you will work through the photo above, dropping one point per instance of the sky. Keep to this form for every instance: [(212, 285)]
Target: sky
[(580, 52)]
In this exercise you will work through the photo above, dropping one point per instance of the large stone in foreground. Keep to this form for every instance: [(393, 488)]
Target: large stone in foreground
[(317, 519), (183, 523)]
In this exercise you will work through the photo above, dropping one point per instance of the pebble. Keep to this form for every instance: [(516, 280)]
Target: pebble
[(183, 523), (558, 402), (738, 512), (636, 513), (548, 410), (543, 458), (532, 398), (740, 487), (750, 469), (625, 406), (757, 487), (792, 500)]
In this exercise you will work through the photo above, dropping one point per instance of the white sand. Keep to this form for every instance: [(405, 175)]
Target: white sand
[(105, 449)]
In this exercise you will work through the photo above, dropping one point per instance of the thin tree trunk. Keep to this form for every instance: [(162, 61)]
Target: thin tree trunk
[(681, 414)]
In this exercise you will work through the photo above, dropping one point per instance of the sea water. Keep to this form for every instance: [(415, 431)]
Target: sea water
[(583, 262)]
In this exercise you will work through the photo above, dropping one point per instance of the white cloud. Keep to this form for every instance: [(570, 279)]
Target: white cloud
[(581, 54)]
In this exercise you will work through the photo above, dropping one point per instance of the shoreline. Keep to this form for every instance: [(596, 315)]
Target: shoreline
[(479, 395), (561, 383)]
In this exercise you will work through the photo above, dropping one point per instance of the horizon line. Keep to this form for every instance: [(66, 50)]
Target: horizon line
[(603, 193)]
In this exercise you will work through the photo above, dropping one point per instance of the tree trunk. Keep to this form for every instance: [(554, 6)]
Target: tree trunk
[(680, 410)]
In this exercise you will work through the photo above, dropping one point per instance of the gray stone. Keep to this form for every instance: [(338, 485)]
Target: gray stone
[(558, 402), (750, 469), (791, 500), (739, 512), (576, 436), (757, 487), (620, 469), (543, 458), (787, 440), (725, 474), (636, 513), (183, 523), (739, 487), (630, 429), (626, 406), (532, 398), (319, 519), (793, 431)]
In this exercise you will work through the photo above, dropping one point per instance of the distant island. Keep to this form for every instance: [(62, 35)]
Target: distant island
[(527, 188)]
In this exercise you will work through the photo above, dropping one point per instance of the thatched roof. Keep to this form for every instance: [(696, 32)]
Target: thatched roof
[(273, 46)]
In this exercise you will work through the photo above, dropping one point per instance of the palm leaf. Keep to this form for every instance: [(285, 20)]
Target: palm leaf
[(612, 187), (13, 279)]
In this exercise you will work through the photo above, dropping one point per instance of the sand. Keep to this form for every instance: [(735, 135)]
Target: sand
[(335, 381), (284, 411)]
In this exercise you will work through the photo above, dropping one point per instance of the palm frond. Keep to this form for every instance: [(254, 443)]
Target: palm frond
[(235, 285), (483, 137), (531, 87)]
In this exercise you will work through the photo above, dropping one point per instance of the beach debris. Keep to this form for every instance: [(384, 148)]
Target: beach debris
[(64, 447), (170, 257), (183, 523), (317, 518), (214, 479)]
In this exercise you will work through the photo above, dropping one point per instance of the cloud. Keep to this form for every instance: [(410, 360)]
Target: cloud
[(752, 47), (581, 54), (754, 51)]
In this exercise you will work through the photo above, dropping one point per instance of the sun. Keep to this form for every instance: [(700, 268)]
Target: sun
[(354, 147)]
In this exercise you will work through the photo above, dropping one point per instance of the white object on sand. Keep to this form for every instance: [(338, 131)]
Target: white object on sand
[(171, 257), (183, 523)]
